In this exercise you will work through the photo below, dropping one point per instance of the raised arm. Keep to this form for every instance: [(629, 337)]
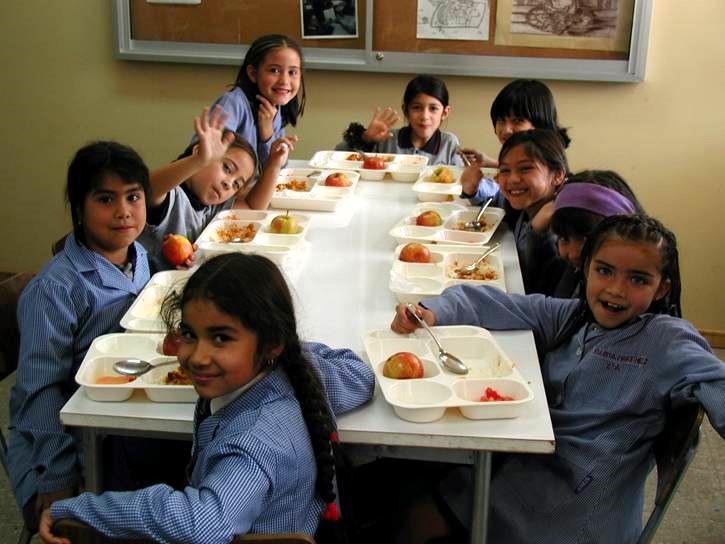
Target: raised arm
[(212, 144)]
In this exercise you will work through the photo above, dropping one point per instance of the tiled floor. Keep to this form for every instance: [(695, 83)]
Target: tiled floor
[(696, 515)]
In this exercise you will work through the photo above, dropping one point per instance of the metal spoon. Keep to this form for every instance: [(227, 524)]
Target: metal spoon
[(448, 360), (474, 265), (475, 225), (137, 367)]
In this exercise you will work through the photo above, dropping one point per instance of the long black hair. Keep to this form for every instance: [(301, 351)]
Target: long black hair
[(252, 289), (529, 99), (255, 56), (91, 165)]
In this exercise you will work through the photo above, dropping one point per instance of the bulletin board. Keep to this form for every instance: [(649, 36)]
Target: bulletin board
[(389, 37)]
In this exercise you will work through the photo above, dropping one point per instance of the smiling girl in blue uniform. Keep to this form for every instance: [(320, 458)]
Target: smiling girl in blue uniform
[(617, 362), (264, 431)]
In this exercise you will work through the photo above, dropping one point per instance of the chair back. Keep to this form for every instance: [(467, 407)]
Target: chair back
[(11, 285), (674, 449)]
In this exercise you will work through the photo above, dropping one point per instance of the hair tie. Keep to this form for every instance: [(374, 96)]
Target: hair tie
[(593, 198), (333, 437), (331, 513)]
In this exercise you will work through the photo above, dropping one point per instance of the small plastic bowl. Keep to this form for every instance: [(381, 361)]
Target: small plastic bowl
[(372, 175), (404, 173), (472, 390), (464, 237)]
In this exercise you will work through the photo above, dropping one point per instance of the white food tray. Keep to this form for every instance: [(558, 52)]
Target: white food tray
[(109, 348), (143, 315), (433, 191), (398, 167), (317, 196), (412, 282), (276, 247), (452, 214), (426, 399)]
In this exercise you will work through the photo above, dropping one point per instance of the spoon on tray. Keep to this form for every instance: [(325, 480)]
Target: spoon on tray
[(137, 367), (474, 265), (475, 225), (448, 360)]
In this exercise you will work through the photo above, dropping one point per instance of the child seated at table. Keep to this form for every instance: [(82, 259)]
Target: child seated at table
[(425, 107), (80, 294), (587, 197), (618, 361), (211, 175), (532, 168), (523, 104), (264, 430)]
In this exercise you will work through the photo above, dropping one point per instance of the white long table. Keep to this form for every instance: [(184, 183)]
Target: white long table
[(343, 292)]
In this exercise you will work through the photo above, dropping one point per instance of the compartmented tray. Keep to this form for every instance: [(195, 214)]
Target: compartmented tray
[(109, 348), (426, 399), (442, 183), (143, 315), (412, 282), (449, 232), (398, 167), (306, 189)]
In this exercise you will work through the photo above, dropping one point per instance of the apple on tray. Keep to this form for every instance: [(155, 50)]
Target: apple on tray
[(442, 175), (284, 224), (337, 179), (176, 249), (429, 218), (374, 163), (414, 252), (403, 365), (170, 345)]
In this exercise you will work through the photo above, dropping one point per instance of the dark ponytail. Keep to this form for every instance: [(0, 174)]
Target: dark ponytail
[(263, 304)]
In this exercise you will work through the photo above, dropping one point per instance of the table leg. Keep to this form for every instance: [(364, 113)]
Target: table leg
[(481, 487), (92, 452)]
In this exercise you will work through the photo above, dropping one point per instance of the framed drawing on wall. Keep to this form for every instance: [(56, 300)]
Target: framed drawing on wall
[(590, 40)]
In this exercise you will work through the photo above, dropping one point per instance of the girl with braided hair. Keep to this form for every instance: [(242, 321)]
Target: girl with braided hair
[(264, 428), (616, 363)]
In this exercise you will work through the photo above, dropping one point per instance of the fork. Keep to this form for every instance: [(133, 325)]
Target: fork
[(474, 265)]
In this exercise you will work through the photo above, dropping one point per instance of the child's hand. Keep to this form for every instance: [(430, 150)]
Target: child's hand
[(45, 528), (478, 158), (280, 150), (213, 142), (541, 221), (379, 128), (265, 118), (470, 177), (404, 324)]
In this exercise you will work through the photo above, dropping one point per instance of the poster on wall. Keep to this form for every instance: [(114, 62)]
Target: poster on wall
[(453, 19), (328, 19), (574, 24)]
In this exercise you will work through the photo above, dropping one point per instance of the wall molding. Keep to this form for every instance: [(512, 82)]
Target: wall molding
[(714, 337)]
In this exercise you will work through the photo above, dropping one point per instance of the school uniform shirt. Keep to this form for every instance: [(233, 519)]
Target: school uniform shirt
[(242, 120), (180, 213), (78, 296), (608, 391), (253, 470), (541, 267), (440, 149)]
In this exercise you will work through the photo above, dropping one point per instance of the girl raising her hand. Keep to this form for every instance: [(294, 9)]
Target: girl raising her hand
[(268, 94)]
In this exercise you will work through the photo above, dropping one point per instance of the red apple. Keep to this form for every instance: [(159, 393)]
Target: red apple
[(414, 253), (176, 249), (403, 366), (170, 345), (429, 218), (338, 179), (374, 163), (284, 224)]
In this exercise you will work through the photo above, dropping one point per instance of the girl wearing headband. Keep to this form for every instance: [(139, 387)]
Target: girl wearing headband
[(581, 204)]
